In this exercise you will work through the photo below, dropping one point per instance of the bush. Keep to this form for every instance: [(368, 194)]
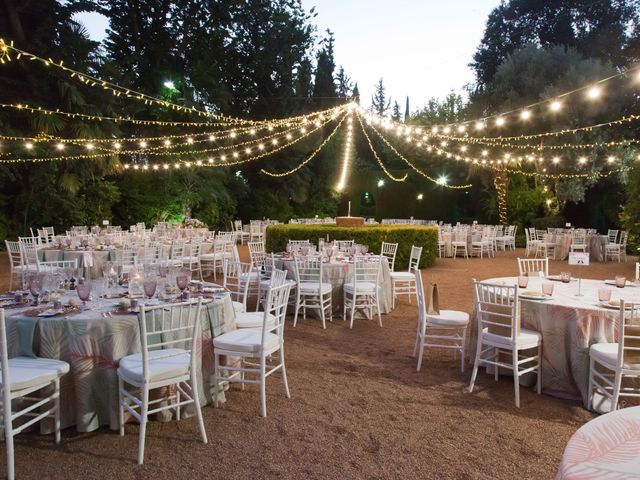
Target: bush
[(371, 235), (553, 221)]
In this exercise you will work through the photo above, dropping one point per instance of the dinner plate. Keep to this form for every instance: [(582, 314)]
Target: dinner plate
[(613, 304), (50, 313), (613, 282), (534, 296)]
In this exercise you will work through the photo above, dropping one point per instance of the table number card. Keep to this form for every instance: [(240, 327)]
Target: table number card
[(578, 258)]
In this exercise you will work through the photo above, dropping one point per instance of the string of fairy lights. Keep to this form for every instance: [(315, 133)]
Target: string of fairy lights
[(229, 141)]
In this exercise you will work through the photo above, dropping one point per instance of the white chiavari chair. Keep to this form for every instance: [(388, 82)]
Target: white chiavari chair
[(404, 283), (363, 291), (255, 319), (169, 337), (32, 381), (446, 330), (389, 250), (610, 364), (311, 290), (499, 331), (536, 266), (617, 250), (459, 242), (264, 345)]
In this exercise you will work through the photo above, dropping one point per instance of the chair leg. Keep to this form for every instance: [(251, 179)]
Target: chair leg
[(143, 424), (474, 373), (177, 403), (590, 391), (464, 341), (516, 377), (284, 373), (216, 378), (324, 325), (616, 391), (295, 315), (378, 308), (120, 406), (8, 435), (420, 353), (56, 406), (263, 386), (496, 357), (539, 379), (196, 406)]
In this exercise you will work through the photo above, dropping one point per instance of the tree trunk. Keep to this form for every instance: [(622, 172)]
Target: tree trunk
[(500, 181)]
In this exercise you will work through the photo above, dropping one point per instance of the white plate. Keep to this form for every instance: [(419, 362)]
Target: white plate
[(50, 313), (535, 297), (613, 282), (611, 307)]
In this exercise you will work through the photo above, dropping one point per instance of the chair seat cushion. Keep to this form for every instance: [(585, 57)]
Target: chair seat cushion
[(360, 287), (403, 276), (190, 259), (254, 320), (238, 307), (246, 340), (27, 372), (526, 339), (607, 354), (307, 287), (163, 365), (449, 318), (252, 276), (212, 256)]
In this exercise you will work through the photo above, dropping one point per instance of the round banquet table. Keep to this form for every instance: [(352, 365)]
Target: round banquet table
[(569, 326), (595, 246), (606, 447), (89, 260), (93, 345), (339, 272)]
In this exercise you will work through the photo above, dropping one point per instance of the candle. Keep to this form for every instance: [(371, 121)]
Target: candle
[(349, 212)]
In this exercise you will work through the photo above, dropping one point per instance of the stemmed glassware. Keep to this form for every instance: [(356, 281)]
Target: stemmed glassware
[(149, 285), (35, 287), (84, 292)]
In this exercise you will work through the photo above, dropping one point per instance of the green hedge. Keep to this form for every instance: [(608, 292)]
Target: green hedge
[(371, 235)]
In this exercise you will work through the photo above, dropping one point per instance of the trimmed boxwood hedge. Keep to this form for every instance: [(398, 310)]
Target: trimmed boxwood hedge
[(371, 235)]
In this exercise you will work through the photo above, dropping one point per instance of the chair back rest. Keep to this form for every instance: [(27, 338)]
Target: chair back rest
[(612, 235), (177, 250), (15, 253), (277, 277), (460, 236), (236, 276), (629, 335), (152, 254), (29, 254), (343, 245), (624, 236), (195, 249), (389, 250), (497, 309), (536, 266), (257, 253), (366, 269), (579, 237), (422, 303), (414, 258), (169, 326), (31, 241), (308, 269), (127, 257), (57, 265), (4, 362), (276, 304)]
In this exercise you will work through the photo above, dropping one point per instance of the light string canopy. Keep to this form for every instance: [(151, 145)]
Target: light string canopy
[(309, 158), (375, 155), (226, 160), (346, 159), (416, 169)]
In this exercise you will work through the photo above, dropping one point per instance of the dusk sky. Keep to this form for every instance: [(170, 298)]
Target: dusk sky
[(421, 48)]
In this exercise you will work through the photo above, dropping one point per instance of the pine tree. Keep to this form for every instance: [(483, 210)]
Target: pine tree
[(355, 93), (395, 115), (344, 83), (379, 102), (407, 114), (324, 88)]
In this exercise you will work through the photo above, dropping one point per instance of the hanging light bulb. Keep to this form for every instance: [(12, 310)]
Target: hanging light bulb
[(525, 115), (594, 92), (500, 121), (555, 106)]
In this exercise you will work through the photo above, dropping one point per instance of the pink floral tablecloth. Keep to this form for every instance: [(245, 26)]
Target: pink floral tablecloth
[(569, 325), (606, 448)]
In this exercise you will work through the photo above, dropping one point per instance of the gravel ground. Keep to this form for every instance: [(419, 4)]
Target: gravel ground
[(358, 409)]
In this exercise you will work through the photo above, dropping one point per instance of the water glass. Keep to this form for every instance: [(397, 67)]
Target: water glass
[(621, 280), (149, 286), (604, 294), (523, 281), (84, 292), (547, 288), (565, 277)]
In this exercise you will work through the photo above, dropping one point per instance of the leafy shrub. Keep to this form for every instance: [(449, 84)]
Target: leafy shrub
[(371, 235), (552, 221)]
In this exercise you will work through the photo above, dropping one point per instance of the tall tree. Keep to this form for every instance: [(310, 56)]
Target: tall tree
[(344, 84), (605, 29), (379, 102), (407, 113), (395, 112), (355, 93), (324, 88)]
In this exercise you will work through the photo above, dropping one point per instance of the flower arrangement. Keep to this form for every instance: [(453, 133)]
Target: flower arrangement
[(193, 223)]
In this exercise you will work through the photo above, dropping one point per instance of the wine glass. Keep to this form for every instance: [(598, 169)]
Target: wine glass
[(364, 249), (35, 287), (84, 292), (182, 281), (149, 286)]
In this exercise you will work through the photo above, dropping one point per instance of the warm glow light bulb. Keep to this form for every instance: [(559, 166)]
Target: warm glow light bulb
[(60, 146), (143, 144), (593, 93), (500, 121), (167, 143), (555, 160), (582, 160), (28, 145), (479, 125), (525, 115), (611, 159), (555, 106)]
